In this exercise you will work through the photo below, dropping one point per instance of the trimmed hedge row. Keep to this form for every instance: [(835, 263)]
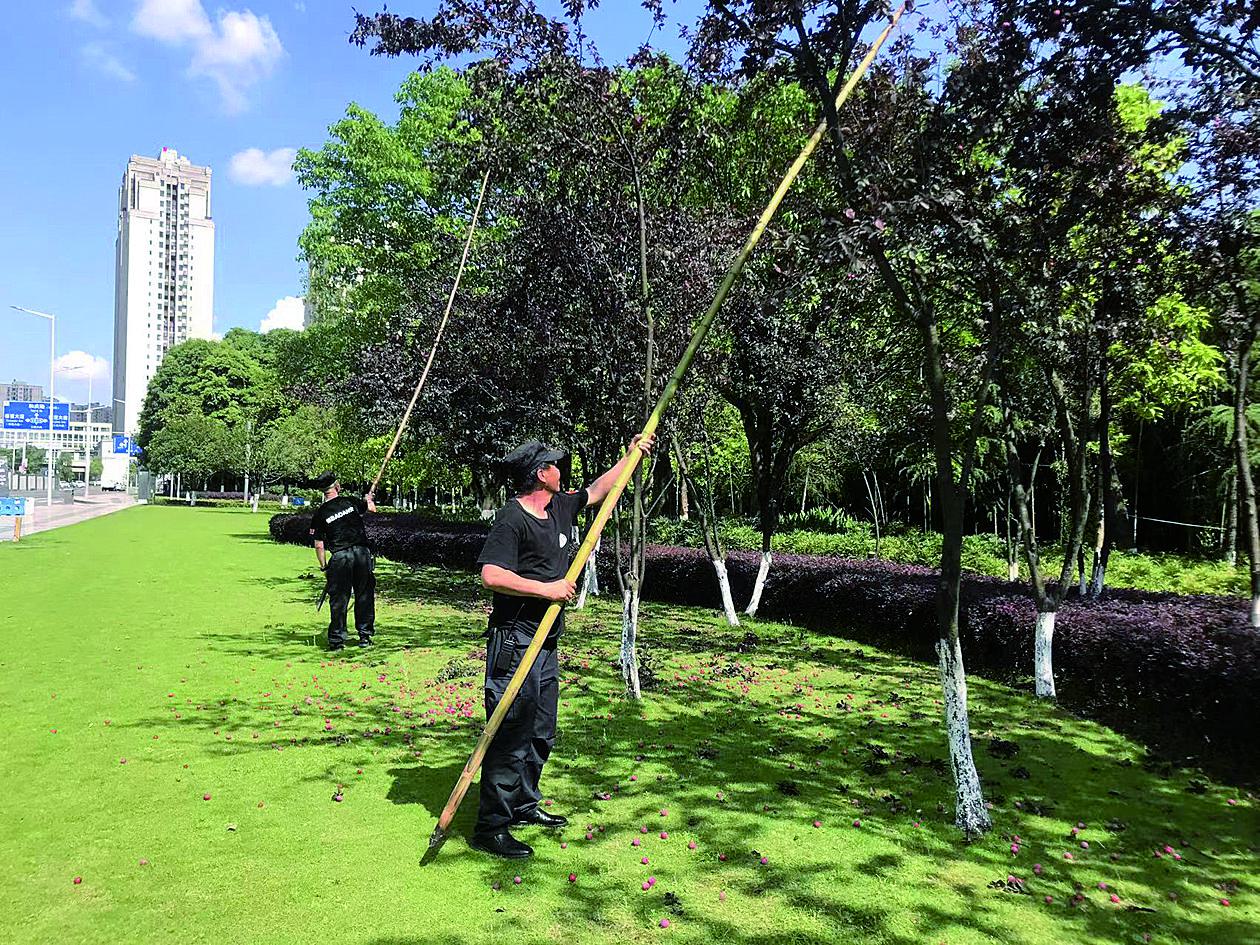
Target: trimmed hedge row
[(1180, 672)]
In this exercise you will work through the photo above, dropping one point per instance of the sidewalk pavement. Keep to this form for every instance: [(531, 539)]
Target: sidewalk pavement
[(43, 518)]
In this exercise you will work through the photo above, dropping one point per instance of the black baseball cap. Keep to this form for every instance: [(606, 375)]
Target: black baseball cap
[(519, 465), (324, 481)]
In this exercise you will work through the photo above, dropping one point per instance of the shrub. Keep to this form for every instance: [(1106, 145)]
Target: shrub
[(1180, 672)]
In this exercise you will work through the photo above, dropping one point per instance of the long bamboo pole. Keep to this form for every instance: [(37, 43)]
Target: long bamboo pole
[(440, 832), (437, 339)]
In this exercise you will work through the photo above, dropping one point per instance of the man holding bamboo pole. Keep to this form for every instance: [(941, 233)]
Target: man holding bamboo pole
[(524, 561)]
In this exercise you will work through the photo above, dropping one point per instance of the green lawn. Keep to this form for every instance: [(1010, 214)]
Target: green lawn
[(160, 655)]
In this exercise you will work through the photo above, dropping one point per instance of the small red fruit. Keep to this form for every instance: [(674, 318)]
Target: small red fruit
[(77, 880)]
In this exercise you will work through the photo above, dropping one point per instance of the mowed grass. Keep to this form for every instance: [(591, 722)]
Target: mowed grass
[(158, 656)]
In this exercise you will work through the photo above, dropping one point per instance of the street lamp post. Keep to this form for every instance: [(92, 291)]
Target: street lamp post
[(52, 374), (87, 433), (127, 434)]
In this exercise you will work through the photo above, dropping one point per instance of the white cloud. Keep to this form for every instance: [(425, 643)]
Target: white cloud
[(235, 53), (86, 11), (287, 313), (255, 167), (105, 62), (171, 21), (81, 365)]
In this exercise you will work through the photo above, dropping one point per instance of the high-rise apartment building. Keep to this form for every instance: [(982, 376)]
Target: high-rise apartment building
[(164, 276), (21, 390)]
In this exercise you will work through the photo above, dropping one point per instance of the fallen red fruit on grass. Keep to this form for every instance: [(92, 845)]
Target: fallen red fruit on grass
[(664, 923), (722, 857), (817, 823), (516, 880), (857, 823), (1224, 902), (564, 846), (765, 860), (573, 877), (205, 797), (1049, 899), (636, 842), (644, 861), (722, 896), (77, 880), (691, 844), (664, 835), (1115, 898)]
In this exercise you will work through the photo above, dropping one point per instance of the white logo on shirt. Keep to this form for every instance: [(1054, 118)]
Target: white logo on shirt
[(564, 539)]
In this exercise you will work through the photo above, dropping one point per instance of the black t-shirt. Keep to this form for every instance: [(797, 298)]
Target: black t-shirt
[(338, 523), (535, 548)]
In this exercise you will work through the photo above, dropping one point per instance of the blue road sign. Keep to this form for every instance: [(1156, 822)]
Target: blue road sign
[(33, 415), (125, 446), (13, 506)]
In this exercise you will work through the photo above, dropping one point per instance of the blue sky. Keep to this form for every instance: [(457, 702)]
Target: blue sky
[(87, 83)]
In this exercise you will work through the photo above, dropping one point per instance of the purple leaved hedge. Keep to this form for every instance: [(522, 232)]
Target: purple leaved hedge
[(1179, 672)]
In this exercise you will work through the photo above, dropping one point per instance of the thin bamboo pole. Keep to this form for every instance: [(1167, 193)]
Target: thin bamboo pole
[(440, 832), (437, 339)]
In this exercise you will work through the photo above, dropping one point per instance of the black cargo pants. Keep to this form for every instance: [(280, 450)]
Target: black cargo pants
[(351, 569), (515, 758)]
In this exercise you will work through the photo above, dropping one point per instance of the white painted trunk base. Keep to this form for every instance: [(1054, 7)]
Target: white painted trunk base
[(971, 817), (1255, 610), (724, 587), (759, 585), (1012, 570), (1043, 657), (590, 580), (629, 653)]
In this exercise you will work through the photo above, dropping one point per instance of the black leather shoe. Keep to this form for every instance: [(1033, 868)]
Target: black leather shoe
[(501, 844), (539, 818), (365, 642), (334, 647)]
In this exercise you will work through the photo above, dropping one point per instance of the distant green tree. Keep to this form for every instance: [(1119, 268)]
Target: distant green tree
[(230, 380)]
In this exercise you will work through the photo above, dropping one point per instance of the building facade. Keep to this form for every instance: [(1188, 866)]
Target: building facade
[(21, 390), (164, 275), (82, 441)]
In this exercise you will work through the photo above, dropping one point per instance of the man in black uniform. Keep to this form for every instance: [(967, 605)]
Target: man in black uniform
[(337, 526), (524, 561)]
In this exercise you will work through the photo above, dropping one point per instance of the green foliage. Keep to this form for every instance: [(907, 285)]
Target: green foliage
[(230, 381), (191, 444)]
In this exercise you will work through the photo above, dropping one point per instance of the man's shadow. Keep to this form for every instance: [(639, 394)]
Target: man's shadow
[(430, 787)]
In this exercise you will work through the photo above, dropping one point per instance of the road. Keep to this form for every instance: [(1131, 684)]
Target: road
[(43, 518)]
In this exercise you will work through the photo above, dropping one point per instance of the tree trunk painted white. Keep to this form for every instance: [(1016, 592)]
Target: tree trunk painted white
[(629, 653), (254, 502), (1043, 660), (759, 585), (1098, 579), (586, 575), (1012, 570), (724, 587), (970, 814), (593, 566), (1255, 610)]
